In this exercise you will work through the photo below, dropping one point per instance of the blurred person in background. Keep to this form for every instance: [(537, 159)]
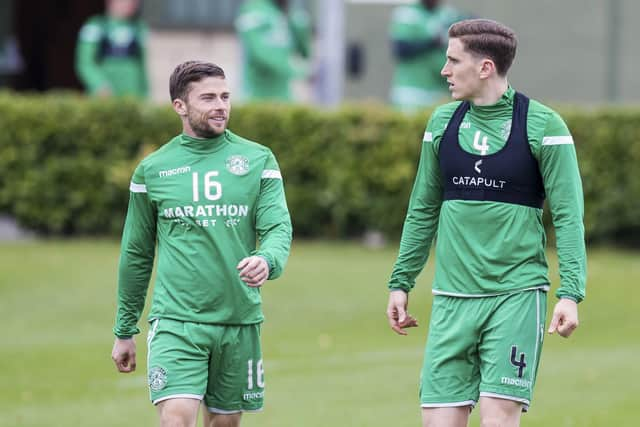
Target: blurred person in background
[(276, 39), (419, 41), (111, 51), (488, 162), (207, 197)]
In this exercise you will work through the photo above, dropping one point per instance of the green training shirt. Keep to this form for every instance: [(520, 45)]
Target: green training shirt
[(121, 75), (417, 81), (489, 248), (206, 202), (274, 45)]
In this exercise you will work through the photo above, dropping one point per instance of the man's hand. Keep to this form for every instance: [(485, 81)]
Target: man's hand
[(254, 271), (397, 314), (124, 354), (565, 317)]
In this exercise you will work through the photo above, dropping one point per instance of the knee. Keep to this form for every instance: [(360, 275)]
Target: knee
[(173, 419), (177, 417), (222, 420), (498, 420)]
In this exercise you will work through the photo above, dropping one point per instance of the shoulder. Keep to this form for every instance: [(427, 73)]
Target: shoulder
[(252, 15), (443, 113), (161, 154), (92, 30), (153, 162), (247, 145), (438, 122), (544, 120)]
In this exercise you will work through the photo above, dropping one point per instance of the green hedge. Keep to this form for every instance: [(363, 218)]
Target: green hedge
[(66, 161)]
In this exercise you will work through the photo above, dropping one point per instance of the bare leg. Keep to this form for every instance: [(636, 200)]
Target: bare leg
[(455, 416), (211, 419), (496, 412), (178, 412)]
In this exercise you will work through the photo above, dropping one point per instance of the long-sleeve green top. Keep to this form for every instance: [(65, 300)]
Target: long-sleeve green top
[(419, 39), (207, 203), (489, 248), (111, 57), (275, 45)]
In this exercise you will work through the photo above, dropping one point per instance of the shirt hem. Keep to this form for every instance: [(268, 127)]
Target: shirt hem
[(544, 288)]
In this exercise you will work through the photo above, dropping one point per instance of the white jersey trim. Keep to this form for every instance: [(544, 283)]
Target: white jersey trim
[(506, 397), (237, 411), (271, 173), (138, 188), (150, 336), (428, 137), (179, 396), (471, 403), (544, 288), (539, 332), (557, 140)]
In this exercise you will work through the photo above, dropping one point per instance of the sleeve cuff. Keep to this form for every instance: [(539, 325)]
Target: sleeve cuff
[(573, 298)]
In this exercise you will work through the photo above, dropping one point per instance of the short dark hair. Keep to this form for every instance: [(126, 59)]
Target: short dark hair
[(487, 38), (188, 72)]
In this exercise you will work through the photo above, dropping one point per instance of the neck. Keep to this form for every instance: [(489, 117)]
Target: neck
[(492, 92), (190, 133)]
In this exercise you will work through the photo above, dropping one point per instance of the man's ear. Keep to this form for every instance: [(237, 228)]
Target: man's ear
[(180, 107), (487, 68)]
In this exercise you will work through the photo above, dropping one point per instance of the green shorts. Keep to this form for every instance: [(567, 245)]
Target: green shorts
[(220, 364), (486, 346)]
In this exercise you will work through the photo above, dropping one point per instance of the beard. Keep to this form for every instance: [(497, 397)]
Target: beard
[(201, 127)]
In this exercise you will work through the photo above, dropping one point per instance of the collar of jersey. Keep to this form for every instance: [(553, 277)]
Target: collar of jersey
[(505, 103), (204, 145)]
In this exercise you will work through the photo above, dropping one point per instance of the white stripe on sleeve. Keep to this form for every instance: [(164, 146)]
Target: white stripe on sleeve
[(271, 173), (428, 137), (138, 188), (557, 140)]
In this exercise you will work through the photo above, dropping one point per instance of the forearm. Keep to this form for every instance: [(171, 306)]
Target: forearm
[(572, 257), (274, 247), (87, 69), (417, 236), (133, 281), (573, 262)]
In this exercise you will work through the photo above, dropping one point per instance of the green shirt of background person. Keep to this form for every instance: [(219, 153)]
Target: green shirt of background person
[(419, 39), (276, 41), (111, 53)]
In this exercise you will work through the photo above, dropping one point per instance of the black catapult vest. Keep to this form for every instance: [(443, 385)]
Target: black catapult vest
[(108, 49), (510, 175)]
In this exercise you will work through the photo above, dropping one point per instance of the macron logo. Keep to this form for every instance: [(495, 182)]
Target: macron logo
[(176, 171)]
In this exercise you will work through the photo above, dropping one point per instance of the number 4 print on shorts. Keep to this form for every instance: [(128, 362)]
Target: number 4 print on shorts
[(521, 364)]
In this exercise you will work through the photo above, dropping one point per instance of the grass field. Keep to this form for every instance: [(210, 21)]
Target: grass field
[(330, 358)]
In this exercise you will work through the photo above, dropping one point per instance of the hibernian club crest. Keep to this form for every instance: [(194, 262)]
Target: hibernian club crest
[(157, 378), (238, 165)]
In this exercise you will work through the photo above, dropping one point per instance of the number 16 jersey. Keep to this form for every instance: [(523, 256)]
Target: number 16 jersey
[(207, 203)]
